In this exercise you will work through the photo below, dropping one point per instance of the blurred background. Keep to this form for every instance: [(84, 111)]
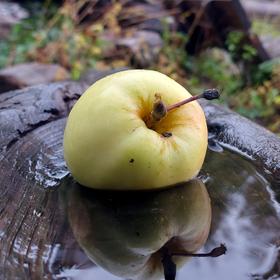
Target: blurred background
[(231, 45)]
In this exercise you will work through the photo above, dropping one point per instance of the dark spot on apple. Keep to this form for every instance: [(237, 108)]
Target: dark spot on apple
[(131, 160), (137, 233), (166, 134)]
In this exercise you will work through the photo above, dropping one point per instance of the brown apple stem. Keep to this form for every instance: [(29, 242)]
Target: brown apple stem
[(216, 252), (183, 102), (208, 94), (160, 110)]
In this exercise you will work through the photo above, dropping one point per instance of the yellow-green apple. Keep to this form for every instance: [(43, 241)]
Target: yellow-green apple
[(129, 131), (128, 234)]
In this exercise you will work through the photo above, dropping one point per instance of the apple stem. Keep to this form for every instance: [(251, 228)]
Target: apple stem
[(160, 110), (216, 252), (208, 94)]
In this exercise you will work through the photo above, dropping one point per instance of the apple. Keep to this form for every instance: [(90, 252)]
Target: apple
[(129, 130), (128, 235)]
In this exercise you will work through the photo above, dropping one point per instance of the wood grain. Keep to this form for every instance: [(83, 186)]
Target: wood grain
[(35, 239)]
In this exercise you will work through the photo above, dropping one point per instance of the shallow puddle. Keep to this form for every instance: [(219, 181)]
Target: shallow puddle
[(245, 217)]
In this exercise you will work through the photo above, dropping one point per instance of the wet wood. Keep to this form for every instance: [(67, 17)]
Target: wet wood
[(239, 134), (35, 239)]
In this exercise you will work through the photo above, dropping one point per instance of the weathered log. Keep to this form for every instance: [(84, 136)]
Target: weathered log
[(35, 240), (239, 134)]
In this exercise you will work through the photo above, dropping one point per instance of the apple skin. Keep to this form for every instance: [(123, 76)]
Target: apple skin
[(125, 233), (107, 144)]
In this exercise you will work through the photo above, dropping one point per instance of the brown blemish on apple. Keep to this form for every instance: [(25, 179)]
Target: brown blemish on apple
[(157, 114), (159, 109), (131, 160)]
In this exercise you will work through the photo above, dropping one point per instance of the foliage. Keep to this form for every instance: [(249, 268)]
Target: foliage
[(257, 97), (262, 26), (55, 38), (239, 48), (173, 60), (262, 102)]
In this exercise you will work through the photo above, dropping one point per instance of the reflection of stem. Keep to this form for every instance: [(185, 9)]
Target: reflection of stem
[(169, 267), (216, 252)]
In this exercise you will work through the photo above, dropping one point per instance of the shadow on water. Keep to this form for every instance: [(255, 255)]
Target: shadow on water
[(245, 216)]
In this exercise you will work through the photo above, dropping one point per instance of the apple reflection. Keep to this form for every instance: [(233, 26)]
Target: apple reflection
[(126, 233)]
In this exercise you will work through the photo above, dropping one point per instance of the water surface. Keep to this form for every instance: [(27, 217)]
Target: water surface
[(245, 217)]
